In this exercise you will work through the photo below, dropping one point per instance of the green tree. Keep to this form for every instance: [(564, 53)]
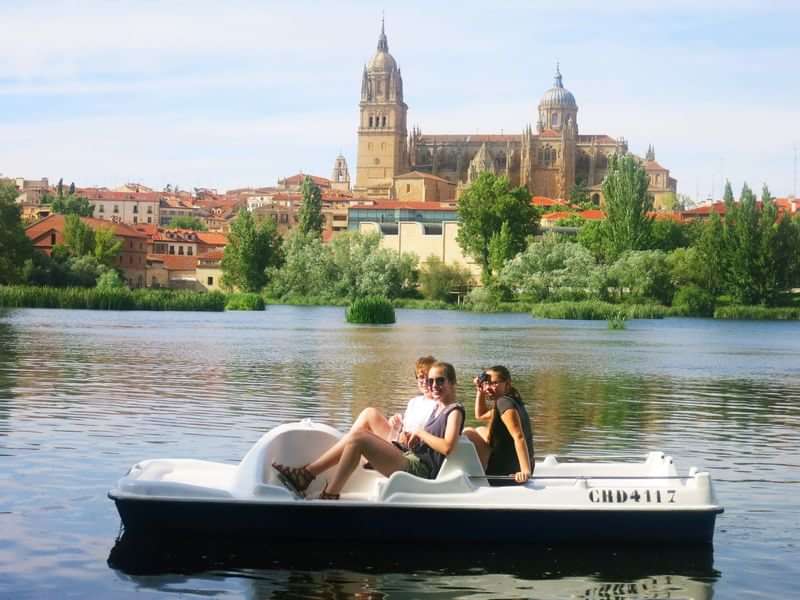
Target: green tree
[(642, 276), (712, 260), (438, 280), (308, 270), (628, 205), (72, 205), (554, 269), (187, 222), (71, 191), (60, 187), (727, 195), (593, 236), (483, 208), (743, 247), (78, 236), (310, 217), (253, 250), (106, 246), (15, 247), (579, 194), (667, 235)]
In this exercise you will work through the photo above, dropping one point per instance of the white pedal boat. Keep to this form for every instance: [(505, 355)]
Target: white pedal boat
[(644, 502)]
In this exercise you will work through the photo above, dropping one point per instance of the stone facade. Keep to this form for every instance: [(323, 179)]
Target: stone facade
[(548, 158)]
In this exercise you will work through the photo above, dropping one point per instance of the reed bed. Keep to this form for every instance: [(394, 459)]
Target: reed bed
[(370, 309), (595, 310), (109, 299), (757, 313), (244, 301)]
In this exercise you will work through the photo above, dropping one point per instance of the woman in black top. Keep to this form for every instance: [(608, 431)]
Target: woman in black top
[(429, 445), (505, 446)]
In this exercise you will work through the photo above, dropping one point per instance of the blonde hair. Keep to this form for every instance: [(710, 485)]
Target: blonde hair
[(423, 364)]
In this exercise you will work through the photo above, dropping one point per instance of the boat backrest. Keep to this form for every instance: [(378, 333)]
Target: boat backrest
[(463, 458)]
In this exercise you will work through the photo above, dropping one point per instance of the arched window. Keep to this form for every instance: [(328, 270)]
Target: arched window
[(554, 120), (370, 121), (596, 199), (383, 124)]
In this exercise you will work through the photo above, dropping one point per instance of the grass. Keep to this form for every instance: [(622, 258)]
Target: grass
[(370, 309), (109, 299), (244, 301)]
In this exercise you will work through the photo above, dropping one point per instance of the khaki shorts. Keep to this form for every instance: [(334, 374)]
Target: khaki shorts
[(416, 466)]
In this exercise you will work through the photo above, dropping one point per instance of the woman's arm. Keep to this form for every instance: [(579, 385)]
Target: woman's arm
[(446, 444), (483, 412), (511, 420)]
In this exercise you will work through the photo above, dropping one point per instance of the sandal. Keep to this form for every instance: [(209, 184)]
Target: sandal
[(324, 495), (297, 479)]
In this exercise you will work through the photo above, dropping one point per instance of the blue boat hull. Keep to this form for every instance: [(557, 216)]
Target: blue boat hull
[(334, 521)]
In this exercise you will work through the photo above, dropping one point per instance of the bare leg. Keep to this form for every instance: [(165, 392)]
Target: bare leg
[(479, 437), (370, 420), (385, 457)]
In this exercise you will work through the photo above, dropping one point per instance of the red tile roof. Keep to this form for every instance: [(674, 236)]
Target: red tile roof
[(210, 238), (56, 222), (174, 262), (544, 201), (298, 180), (651, 165)]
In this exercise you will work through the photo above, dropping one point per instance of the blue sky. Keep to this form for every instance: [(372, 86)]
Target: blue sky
[(233, 94)]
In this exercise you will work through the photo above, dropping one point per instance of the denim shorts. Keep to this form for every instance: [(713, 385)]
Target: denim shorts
[(416, 466)]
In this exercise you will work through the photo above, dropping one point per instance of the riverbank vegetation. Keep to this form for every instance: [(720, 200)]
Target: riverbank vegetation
[(743, 264)]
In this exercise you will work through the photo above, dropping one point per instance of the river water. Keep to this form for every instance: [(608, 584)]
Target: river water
[(85, 394)]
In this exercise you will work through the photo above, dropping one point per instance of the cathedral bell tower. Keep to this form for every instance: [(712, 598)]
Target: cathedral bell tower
[(382, 150)]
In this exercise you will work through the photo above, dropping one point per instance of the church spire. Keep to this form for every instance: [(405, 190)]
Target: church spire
[(383, 44), (557, 80)]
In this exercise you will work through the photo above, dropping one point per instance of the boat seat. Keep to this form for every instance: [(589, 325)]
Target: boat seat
[(454, 476)]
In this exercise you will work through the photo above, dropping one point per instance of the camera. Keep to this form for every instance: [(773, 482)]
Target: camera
[(483, 377)]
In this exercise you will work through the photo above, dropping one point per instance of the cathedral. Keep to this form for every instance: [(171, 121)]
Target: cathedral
[(548, 158)]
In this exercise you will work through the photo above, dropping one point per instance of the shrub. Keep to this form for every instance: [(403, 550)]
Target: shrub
[(642, 276), (370, 309), (693, 300), (110, 280), (617, 321), (109, 299), (244, 301), (438, 280)]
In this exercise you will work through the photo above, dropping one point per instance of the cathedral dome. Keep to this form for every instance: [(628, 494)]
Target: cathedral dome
[(557, 96), (382, 62)]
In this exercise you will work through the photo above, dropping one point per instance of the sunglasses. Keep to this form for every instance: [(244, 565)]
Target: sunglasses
[(437, 381)]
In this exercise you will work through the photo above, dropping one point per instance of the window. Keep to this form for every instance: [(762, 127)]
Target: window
[(130, 259), (171, 249), (189, 251), (53, 238), (116, 208), (554, 120), (130, 244), (135, 219), (210, 281), (149, 219), (370, 121), (135, 208), (384, 121), (101, 208), (408, 187), (160, 249), (149, 211), (180, 250)]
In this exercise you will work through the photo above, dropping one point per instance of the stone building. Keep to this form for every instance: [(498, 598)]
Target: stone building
[(548, 157)]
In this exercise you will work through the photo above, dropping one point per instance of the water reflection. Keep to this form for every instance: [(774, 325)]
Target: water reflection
[(8, 370), (322, 570)]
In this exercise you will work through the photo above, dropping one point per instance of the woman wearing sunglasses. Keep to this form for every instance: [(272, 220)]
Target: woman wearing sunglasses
[(506, 445), (428, 445)]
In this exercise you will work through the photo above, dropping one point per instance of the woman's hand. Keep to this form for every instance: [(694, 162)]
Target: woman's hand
[(414, 439), (522, 476)]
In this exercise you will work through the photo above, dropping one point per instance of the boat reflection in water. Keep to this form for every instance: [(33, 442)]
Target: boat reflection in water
[(327, 570)]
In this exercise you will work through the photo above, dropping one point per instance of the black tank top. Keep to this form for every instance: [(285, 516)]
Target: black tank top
[(437, 425)]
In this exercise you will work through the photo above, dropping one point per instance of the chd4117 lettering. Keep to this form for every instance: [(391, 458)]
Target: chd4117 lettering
[(620, 496)]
